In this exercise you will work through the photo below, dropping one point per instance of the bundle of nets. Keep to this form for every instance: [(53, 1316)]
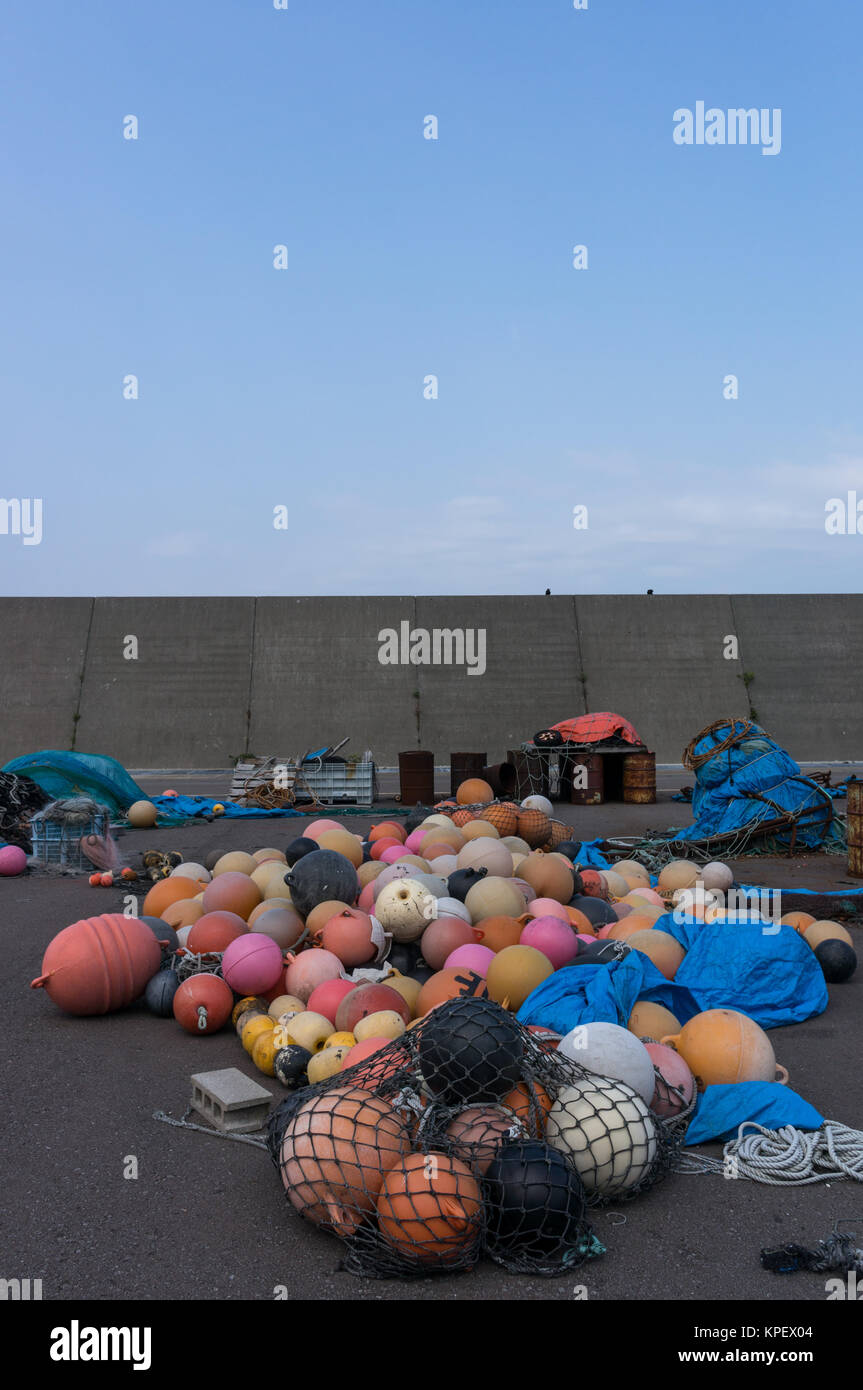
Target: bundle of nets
[(467, 1136)]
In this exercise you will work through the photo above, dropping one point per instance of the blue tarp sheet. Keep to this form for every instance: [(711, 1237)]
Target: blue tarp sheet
[(764, 970), (728, 786), (774, 978), (79, 774), (721, 1110), (174, 810)]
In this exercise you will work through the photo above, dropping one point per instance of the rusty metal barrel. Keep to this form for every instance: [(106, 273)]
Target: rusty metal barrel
[(639, 778), (463, 766), (587, 779), (854, 812), (416, 778)]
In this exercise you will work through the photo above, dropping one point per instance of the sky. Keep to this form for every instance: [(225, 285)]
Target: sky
[(598, 396)]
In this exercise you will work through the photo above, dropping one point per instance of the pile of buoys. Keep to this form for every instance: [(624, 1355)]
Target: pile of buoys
[(482, 1139)]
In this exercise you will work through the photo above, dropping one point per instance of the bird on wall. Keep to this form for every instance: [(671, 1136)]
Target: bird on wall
[(547, 592)]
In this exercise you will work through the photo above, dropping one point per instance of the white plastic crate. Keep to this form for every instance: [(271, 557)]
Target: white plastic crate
[(332, 782)]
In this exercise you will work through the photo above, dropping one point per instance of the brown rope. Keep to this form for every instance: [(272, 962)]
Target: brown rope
[(693, 761)]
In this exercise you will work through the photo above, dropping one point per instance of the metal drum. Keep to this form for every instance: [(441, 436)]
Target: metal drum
[(639, 778)]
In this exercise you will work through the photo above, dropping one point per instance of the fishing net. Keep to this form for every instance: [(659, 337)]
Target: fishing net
[(467, 1136)]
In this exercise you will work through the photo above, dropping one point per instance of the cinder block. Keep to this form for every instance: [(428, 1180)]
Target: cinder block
[(231, 1101)]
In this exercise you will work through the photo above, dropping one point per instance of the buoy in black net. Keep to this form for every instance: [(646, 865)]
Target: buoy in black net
[(470, 1052), (607, 1131), (535, 1203), (837, 959)]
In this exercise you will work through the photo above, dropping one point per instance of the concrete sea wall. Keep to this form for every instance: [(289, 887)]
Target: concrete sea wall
[(197, 682)]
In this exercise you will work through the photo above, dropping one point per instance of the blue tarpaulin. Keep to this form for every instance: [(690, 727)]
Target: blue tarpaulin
[(774, 978), (174, 810), (721, 1110), (79, 774), (588, 993), (750, 780), (761, 969)]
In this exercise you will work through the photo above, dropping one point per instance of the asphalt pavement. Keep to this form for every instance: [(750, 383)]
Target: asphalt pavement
[(206, 1217)]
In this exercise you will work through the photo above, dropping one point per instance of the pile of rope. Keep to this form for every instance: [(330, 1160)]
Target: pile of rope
[(785, 1157)]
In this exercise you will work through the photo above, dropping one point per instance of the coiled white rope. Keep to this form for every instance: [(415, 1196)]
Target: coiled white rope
[(785, 1157)]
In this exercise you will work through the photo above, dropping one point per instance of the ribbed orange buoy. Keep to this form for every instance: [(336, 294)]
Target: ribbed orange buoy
[(99, 964)]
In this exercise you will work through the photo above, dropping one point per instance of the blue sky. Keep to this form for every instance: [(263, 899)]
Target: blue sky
[(408, 257)]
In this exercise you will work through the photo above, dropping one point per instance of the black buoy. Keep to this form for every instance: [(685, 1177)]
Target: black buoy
[(289, 1065), (470, 1051), (297, 848), (319, 877), (405, 957), (837, 959), (534, 1202), (571, 848), (160, 991), (461, 882), (597, 911)]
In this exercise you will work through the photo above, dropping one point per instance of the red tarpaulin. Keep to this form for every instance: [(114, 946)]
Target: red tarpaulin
[(595, 728)]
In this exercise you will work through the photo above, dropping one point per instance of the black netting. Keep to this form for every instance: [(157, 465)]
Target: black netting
[(466, 1136)]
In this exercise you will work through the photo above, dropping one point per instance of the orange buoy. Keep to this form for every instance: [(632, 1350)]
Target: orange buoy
[(497, 932), (817, 932), (429, 1208), (534, 827), (231, 891), (473, 791), (532, 1104), (666, 953), (203, 1003), (649, 1020), (452, 983), (722, 1046), (167, 891), (798, 920), (503, 817)]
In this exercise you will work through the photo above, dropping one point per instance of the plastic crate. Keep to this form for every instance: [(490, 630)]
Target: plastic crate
[(337, 781), (55, 842)]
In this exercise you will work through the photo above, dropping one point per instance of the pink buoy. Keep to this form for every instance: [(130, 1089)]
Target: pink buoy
[(13, 861), (547, 907), (415, 839), (310, 969), (366, 900), (326, 998), (318, 827), (605, 931), (588, 940), (673, 1071), (472, 957), (392, 853), (650, 895), (252, 964), (554, 938)]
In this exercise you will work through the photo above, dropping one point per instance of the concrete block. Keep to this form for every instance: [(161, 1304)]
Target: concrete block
[(230, 1100)]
